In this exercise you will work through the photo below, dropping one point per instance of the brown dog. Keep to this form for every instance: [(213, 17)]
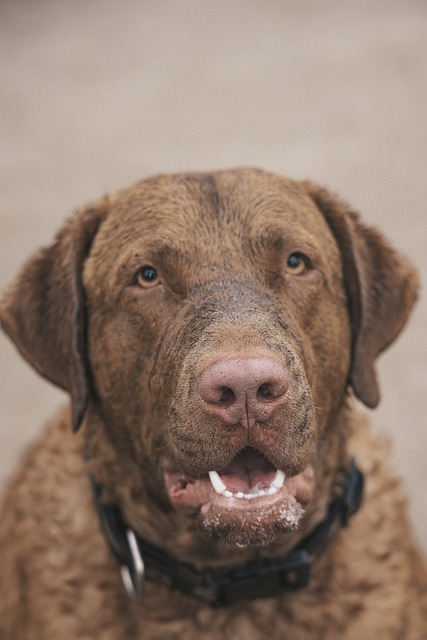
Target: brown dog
[(210, 330)]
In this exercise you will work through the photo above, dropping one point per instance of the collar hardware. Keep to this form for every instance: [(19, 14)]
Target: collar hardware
[(133, 574), (224, 586)]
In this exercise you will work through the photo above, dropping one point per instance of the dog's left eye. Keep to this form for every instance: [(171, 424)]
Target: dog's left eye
[(296, 264), (147, 277)]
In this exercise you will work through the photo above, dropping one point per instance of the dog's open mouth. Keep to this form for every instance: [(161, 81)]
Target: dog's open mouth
[(249, 493)]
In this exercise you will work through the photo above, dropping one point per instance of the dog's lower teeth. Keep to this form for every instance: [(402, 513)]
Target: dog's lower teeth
[(255, 492)]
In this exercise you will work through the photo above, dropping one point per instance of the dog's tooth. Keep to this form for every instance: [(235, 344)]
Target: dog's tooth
[(217, 483), (221, 488), (278, 480)]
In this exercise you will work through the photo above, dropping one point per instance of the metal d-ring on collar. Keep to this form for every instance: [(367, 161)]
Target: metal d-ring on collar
[(226, 585), (123, 543), (133, 575)]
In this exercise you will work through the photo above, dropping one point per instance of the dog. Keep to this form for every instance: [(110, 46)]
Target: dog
[(214, 476)]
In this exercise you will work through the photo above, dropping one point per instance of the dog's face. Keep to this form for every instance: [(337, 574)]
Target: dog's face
[(215, 306), (220, 321)]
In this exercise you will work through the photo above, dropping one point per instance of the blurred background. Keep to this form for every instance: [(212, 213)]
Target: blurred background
[(95, 95)]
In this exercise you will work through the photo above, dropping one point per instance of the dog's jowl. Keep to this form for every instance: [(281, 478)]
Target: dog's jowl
[(214, 476)]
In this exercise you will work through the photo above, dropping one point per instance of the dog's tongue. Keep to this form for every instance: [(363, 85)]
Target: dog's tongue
[(248, 469)]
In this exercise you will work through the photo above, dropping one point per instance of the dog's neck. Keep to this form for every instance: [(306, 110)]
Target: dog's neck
[(220, 587)]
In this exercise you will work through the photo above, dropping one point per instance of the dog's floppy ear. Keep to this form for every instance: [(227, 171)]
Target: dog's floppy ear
[(43, 311), (381, 287)]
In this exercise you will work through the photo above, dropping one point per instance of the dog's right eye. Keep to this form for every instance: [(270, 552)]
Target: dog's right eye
[(147, 277), (296, 264)]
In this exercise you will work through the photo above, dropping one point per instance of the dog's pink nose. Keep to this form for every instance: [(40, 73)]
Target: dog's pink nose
[(244, 390)]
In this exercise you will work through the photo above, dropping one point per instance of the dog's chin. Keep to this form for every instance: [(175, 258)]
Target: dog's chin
[(248, 503), (255, 525)]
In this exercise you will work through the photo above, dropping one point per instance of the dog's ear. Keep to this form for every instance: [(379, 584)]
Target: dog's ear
[(381, 287), (43, 311)]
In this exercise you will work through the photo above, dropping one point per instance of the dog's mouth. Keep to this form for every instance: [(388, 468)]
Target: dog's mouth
[(249, 494)]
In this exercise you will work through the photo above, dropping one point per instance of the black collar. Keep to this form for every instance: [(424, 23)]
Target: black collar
[(141, 560)]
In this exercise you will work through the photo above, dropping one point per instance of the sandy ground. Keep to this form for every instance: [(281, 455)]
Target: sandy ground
[(95, 95)]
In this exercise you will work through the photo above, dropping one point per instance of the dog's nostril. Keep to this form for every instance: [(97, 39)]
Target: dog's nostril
[(227, 394), (264, 391)]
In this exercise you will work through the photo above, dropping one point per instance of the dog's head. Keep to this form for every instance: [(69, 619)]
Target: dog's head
[(210, 326)]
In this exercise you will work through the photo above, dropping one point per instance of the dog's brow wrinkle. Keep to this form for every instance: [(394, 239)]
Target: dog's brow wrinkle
[(211, 193), (209, 196), (217, 285)]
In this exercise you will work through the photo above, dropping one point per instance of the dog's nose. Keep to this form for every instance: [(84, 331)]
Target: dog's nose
[(244, 390)]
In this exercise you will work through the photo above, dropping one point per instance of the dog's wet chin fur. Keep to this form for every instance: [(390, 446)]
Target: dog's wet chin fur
[(253, 526)]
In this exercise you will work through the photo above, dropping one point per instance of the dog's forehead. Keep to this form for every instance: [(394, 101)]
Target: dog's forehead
[(197, 208)]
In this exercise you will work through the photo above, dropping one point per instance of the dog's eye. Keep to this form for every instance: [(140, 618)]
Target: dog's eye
[(296, 264), (147, 277)]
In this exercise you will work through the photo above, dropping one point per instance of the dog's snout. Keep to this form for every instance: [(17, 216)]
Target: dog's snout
[(244, 390)]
